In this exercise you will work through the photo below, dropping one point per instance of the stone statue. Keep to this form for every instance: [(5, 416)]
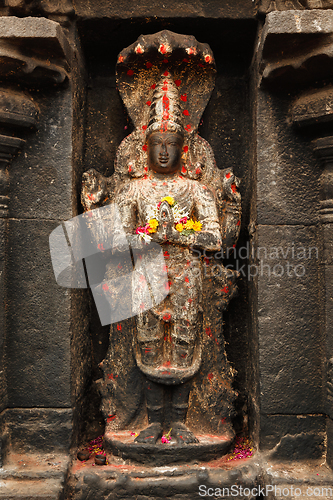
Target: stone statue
[(166, 368)]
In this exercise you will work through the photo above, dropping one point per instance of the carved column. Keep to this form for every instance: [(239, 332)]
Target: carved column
[(312, 114), (35, 56), (323, 147), (293, 47)]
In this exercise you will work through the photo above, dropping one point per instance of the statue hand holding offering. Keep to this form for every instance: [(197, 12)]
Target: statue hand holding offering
[(170, 192)]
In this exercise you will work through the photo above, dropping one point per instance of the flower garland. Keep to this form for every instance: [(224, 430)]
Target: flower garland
[(183, 224)]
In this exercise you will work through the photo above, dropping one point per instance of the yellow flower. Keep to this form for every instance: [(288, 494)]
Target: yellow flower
[(169, 199), (189, 224), (153, 223), (197, 226), (179, 227)]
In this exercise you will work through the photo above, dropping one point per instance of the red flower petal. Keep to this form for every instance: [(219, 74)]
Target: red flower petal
[(144, 127), (185, 149), (148, 65), (166, 73), (145, 147), (234, 188), (120, 59), (153, 86), (184, 97), (148, 103), (119, 327), (188, 127), (210, 376), (165, 61), (228, 175), (185, 60), (186, 113), (130, 72), (178, 82), (183, 170)]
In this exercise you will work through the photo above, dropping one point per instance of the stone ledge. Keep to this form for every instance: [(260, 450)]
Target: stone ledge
[(296, 47), (33, 50)]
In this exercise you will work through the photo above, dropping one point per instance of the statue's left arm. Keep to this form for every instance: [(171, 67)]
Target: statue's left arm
[(209, 238)]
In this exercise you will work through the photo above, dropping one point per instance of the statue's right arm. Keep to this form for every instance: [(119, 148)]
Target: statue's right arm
[(126, 203)]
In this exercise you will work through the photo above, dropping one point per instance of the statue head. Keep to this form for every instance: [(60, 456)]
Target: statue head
[(165, 151), (165, 134)]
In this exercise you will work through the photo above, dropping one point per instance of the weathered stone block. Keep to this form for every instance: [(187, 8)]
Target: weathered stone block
[(123, 10), (293, 437), (41, 177), (38, 319), (287, 171), (290, 349), (38, 429)]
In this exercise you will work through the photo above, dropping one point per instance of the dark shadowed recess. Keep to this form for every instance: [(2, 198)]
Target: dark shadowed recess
[(226, 124)]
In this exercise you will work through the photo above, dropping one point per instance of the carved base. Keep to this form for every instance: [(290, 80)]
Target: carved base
[(209, 447)]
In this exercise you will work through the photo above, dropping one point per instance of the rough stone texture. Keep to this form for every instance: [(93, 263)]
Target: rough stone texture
[(33, 476), (329, 430), (291, 378), (287, 476), (285, 161), (39, 370), (293, 437), (42, 33), (122, 9), (41, 182), (313, 107), (175, 483), (3, 390), (35, 430)]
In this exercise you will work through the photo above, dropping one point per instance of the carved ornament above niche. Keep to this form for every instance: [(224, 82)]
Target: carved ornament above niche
[(266, 6), (296, 48), (33, 50)]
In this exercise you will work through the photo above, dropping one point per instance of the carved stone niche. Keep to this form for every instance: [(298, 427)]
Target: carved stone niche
[(166, 370)]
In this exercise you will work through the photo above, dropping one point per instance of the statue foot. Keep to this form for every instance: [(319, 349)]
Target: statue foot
[(151, 434), (182, 434)]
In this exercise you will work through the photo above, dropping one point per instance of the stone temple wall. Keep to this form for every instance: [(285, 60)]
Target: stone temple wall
[(270, 119)]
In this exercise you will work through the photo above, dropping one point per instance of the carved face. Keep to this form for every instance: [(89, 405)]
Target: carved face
[(164, 152)]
